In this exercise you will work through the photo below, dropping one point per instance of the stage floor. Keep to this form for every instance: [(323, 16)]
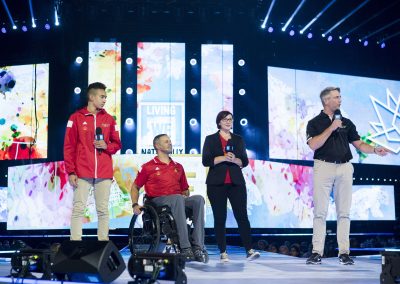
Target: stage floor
[(269, 268)]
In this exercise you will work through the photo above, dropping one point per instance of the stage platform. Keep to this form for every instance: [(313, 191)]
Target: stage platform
[(269, 268)]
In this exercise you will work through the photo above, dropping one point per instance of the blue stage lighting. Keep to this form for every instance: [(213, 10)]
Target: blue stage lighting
[(243, 122), (32, 15), (129, 91), (292, 16), (193, 61), (317, 16), (309, 35), (346, 40), (383, 45), (323, 35), (193, 91), (24, 28), (129, 151), (56, 21), (242, 92), (291, 33), (77, 90), (129, 121), (330, 38), (14, 27), (264, 24), (79, 60), (3, 30), (193, 122), (241, 62), (47, 26), (129, 60), (270, 29), (33, 23), (193, 151), (365, 42)]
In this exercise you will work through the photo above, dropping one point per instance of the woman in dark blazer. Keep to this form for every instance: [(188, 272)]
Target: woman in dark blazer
[(225, 155)]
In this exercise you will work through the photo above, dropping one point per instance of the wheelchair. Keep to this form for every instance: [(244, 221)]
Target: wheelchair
[(154, 231)]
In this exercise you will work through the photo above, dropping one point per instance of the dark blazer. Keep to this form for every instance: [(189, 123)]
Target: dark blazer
[(213, 148)]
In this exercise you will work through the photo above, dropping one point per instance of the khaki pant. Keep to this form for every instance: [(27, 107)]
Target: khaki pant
[(101, 195), (339, 178)]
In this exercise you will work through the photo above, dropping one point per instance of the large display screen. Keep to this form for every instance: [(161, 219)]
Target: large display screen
[(24, 92), (160, 94), (279, 195), (293, 99), (3, 204)]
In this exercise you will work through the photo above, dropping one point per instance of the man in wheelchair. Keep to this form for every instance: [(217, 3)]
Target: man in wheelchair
[(165, 183)]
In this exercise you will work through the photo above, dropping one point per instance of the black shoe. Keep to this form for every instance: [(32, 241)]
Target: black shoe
[(345, 259), (200, 255), (187, 253), (315, 258)]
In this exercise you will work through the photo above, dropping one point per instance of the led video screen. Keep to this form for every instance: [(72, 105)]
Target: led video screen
[(24, 91), (293, 99), (279, 195), (216, 84), (105, 67), (3, 204), (160, 94)]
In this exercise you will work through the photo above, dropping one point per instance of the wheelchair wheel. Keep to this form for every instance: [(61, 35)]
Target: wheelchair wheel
[(144, 237)]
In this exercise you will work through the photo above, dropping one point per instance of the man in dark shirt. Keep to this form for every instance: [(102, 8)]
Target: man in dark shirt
[(329, 135), (164, 181)]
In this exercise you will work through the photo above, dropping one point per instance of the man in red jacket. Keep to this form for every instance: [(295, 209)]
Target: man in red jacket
[(91, 138)]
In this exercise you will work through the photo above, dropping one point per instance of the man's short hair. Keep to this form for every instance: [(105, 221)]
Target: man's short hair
[(94, 86), (326, 92), (157, 138)]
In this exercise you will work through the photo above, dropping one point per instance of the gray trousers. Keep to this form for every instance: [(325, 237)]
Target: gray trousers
[(177, 203), (339, 178)]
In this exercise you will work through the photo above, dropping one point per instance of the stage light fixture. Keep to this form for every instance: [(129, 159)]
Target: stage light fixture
[(129, 91), (270, 29), (193, 122), (381, 29), (291, 33), (193, 151), (323, 35), (3, 30), (33, 23), (129, 60), (309, 35), (79, 60), (32, 15), (14, 27), (346, 40), (129, 151), (24, 28), (242, 92), (317, 16), (330, 38), (365, 42), (47, 26), (193, 91), (26, 261), (129, 121), (193, 61), (243, 122), (346, 17), (241, 62), (264, 24), (77, 90), (292, 16), (56, 21), (340, 37), (383, 45)]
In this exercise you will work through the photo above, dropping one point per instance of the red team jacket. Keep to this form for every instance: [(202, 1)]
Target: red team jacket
[(80, 155)]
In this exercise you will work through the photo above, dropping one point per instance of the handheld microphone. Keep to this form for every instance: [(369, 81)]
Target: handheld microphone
[(337, 115), (99, 136), (229, 146)]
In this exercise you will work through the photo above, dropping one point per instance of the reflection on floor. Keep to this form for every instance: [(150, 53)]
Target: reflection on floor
[(270, 268)]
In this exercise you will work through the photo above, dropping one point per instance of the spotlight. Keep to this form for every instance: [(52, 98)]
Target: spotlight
[(77, 90), (3, 30), (330, 38), (193, 151), (47, 26), (129, 151), (24, 28), (56, 21), (14, 27), (242, 92), (129, 121), (263, 26), (193, 121), (243, 122), (365, 42), (323, 35), (129, 91), (79, 60), (193, 91), (270, 29), (193, 61), (33, 23), (309, 35), (346, 40), (129, 60), (241, 62), (383, 45), (291, 33), (340, 37)]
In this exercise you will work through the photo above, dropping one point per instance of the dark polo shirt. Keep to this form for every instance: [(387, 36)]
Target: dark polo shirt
[(336, 148)]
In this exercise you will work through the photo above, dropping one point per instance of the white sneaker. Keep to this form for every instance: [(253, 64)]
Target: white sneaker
[(252, 254), (224, 257)]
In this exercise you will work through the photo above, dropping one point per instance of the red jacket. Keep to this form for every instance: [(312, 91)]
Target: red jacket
[(80, 155)]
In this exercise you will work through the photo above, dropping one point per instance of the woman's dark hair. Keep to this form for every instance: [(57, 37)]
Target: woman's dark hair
[(221, 115)]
